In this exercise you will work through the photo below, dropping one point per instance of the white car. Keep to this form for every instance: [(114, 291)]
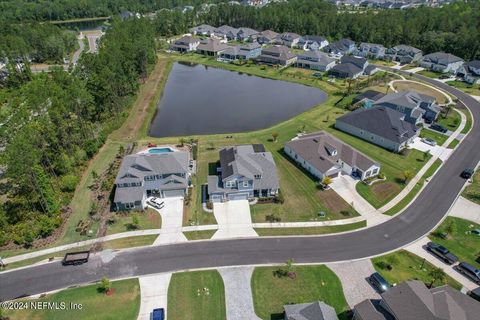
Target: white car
[(429, 141), (156, 203)]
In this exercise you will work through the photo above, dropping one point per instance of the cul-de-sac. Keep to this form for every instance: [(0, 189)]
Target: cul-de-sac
[(240, 160)]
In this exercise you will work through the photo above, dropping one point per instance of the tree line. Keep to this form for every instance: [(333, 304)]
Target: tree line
[(51, 124)]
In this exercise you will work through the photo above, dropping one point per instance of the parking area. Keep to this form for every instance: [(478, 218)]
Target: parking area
[(154, 294), (234, 219), (436, 151), (172, 218)]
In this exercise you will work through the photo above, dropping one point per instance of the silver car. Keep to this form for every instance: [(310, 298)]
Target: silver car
[(429, 141)]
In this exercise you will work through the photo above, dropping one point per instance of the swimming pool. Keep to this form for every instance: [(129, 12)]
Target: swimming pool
[(159, 150)]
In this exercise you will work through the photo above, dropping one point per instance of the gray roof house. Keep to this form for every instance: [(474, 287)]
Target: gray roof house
[(289, 39), (470, 72), (204, 30), (276, 55), (243, 52), (246, 172), (312, 43), (142, 175), (211, 47), (226, 32), (349, 67), (185, 44), (317, 310), (370, 50), (245, 34), (403, 54), (381, 126), (321, 154), (266, 37), (441, 62), (414, 105), (341, 47), (413, 300), (368, 97), (315, 60)]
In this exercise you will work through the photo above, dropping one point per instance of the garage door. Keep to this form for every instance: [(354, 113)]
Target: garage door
[(173, 193), (238, 196), (334, 175)]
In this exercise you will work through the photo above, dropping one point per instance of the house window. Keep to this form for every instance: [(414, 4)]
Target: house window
[(258, 176), (375, 171), (245, 184)]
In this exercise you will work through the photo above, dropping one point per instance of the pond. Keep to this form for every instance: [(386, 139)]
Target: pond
[(204, 100)]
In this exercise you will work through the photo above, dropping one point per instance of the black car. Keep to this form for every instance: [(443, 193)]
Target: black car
[(379, 282), (439, 128), (475, 294), (469, 271), (442, 252), (467, 173)]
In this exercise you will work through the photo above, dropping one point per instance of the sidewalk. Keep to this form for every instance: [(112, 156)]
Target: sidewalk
[(308, 224)]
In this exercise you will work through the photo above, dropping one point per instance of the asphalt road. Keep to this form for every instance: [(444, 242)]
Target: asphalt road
[(421, 217)]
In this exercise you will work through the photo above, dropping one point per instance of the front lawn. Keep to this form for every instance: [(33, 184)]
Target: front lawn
[(196, 295), (472, 191), (439, 137), (451, 122), (309, 230), (459, 241), (124, 303), (131, 221), (312, 283), (468, 88), (430, 74), (199, 235), (407, 266)]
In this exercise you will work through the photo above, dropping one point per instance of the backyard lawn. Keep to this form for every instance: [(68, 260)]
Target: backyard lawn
[(125, 221), (196, 295), (468, 88), (124, 303), (407, 266), (312, 283), (472, 192), (410, 85), (459, 241), (309, 230)]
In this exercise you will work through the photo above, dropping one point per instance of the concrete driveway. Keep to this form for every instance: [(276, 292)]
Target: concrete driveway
[(466, 209), (233, 219), (154, 294), (436, 151), (172, 219)]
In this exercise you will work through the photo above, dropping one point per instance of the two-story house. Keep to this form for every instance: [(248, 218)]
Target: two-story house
[(265, 37), (370, 50), (246, 34), (315, 60), (276, 55), (349, 67), (441, 62), (340, 48), (245, 172), (203, 30), (185, 44), (312, 43), (289, 39), (403, 54), (242, 52), (144, 174), (470, 72), (226, 32), (211, 47)]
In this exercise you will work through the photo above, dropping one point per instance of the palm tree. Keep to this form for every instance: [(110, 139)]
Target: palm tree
[(437, 274)]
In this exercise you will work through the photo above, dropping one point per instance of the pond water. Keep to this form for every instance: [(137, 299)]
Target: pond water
[(203, 100)]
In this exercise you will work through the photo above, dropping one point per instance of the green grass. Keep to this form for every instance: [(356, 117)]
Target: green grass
[(468, 88), (472, 191), (150, 219), (187, 298), (199, 235), (469, 122), (459, 241), (451, 122), (312, 283), (124, 303), (430, 74), (439, 137), (407, 266), (381, 62), (309, 230), (453, 144)]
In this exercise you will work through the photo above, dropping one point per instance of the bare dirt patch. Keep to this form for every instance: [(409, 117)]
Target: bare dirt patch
[(385, 190)]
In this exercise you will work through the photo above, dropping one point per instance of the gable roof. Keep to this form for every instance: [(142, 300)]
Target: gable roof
[(368, 46), (370, 95), (203, 28), (346, 68), (317, 39), (441, 58), (357, 61), (289, 36), (341, 45), (403, 49), (185, 40), (407, 99), (316, 149), (246, 32), (268, 34), (212, 45), (474, 64), (320, 57), (381, 121), (318, 310)]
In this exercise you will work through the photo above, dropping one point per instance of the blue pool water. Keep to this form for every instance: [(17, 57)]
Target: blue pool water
[(159, 150)]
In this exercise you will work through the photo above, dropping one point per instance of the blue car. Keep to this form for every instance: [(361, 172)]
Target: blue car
[(158, 314)]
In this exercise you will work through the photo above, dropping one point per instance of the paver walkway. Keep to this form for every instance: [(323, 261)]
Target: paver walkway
[(418, 249), (154, 294), (172, 219), (466, 209), (238, 293), (234, 220), (354, 278), (344, 186)]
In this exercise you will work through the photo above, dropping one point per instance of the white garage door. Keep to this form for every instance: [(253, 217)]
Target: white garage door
[(173, 193), (238, 196)]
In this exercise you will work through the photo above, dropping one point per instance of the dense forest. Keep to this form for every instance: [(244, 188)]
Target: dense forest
[(453, 28), (51, 124)]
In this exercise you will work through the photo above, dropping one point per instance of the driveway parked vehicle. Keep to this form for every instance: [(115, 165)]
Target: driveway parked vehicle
[(467, 173), (469, 271), (439, 128), (379, 282), (475, 294), (442, 252), (429, 141), (156, 203), (158, 314)]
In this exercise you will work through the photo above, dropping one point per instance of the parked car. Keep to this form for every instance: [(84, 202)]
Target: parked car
[(467, 173), (429, 141), (469, 271), (379, 282), (475, 232), (475, 294), (439, 128), (158, 314), (442, 252), (156, 203)]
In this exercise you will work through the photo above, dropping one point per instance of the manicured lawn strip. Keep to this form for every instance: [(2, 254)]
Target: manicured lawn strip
[(472, 191), (459, 241), (124, 303), (436, 164), (469, 122), (309, 230), (440, 138), (453, 144), (430, 74), (187, 299), (451, 122), (381, 62), (409, 85), (468, 88), (312, 283), (199, 235), (406, 266), (123, 221)]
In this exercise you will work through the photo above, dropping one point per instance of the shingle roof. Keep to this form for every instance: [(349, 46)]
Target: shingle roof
[(246, 32), (407, 99), (320, 57), (441, 58), (369, 94), (382, 121), (367, 310), (340, 45), (268, 34), (404, 49), (359, 62), (312, 148), (128, 195), (289, 36), (318, 39), (212, 45), (347, 68), (185, 40), (310, 311), (474, 64)]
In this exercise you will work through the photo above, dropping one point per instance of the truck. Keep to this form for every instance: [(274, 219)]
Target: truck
[(76, 258)]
